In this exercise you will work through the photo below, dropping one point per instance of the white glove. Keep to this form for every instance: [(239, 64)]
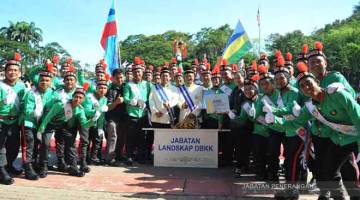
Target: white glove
[(252, 112), (141, 103), (269, 118), (334, 87), (104, 108), (231, 115), (267, 108), (296, 109), (101, 133), (39, 136), (133, 102)]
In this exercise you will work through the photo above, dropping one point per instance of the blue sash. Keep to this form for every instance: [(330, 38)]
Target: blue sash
[(165, 98), (187, 97)]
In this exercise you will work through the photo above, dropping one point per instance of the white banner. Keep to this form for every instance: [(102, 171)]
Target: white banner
[(186, 148)]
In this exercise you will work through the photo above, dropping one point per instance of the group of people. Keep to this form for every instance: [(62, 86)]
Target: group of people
[(312, 111)]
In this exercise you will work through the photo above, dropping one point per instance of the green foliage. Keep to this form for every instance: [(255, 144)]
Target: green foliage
[(157, 49), (25, 38), (341, 40)]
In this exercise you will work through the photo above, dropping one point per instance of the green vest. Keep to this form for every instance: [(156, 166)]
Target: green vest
[(57, 116), (10, 101), (92, 105), (138, 91), (34, 106)]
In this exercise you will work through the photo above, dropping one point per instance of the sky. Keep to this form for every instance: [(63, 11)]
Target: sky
[(78, 24)]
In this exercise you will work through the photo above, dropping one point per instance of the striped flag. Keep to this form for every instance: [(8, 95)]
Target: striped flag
[(109, 40), (237, 46)]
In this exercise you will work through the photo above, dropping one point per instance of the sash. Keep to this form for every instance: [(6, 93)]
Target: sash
[(165, 98), (342, 128), (96, 105), (38, 104), (225, 89), (187, 98), (68, 111), (63, 96), (11, 96)]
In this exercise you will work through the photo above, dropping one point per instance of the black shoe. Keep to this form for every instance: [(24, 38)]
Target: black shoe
[(84, 167), (75, 171), (238, 172), (62, 166), (113, 163), (30, 173), (95, 161), (5, 178), (12, 170), (129, 162), (43, 170), (354, 198)]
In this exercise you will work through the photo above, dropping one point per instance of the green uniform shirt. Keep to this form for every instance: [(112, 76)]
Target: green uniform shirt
[(10, 101), (31, 106), (92, 105), (137, 91), (259, 128), (333, 77), (288, 100), (56, 115), (339, 107)]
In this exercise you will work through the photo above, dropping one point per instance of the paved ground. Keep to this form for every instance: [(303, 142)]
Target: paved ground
[(141, 182), (138, 182)]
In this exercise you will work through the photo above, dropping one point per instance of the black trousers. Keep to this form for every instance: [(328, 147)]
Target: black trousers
[(273, 152), (293, 147), (95, 143), (12, 143), (9, 143), (135, 138), (334, 158), (59, 142), (242, 144), (84, 143), (69, 136), (5, 132), (259, 146), (30, 145)]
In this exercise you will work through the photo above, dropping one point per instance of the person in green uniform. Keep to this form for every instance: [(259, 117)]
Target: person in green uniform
[(63, 94), (251, 110), (286, 99), (68, 116), (95, 106), (33, 109), (335, 113), (136, 95), (267, 85), (318, 66), (227, 87), (11, 93), (242, 134)]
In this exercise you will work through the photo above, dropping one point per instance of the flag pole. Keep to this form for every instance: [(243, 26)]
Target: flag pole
[(258, 19), (119, 55)]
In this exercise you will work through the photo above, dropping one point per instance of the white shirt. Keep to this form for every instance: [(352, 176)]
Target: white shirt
[(156, 103), (195, 92)]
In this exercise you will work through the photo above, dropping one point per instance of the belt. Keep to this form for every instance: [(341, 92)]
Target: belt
[(7, 117)]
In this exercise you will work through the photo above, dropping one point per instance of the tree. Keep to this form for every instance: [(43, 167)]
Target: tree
[(23, 32)]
